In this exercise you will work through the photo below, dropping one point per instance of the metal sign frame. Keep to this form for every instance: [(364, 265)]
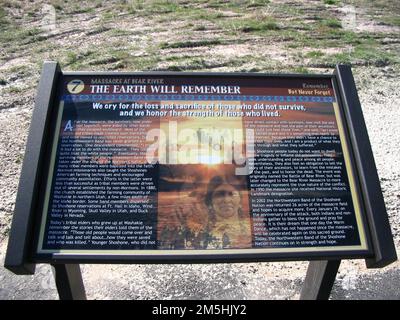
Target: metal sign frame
[(20, 257)]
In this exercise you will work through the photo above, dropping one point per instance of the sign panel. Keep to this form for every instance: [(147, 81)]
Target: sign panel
[(188, 165)]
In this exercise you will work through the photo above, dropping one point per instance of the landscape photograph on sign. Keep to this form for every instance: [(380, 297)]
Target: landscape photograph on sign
[(187, 165)]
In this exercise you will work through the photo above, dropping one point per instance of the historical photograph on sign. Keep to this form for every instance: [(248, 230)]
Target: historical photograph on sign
[(202, 210)]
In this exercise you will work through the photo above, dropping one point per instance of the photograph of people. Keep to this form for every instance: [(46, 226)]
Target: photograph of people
[(209, 215), (228, 225)]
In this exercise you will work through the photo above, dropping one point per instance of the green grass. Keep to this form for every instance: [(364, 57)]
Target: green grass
[(193, 63), (165, 11), (314, 54), (300, 69), (199, 28), (78, 9), (150, 7), (187, 26), (331, 2), (162, 7), (321, 38), (78, 60), (109, 57), (392, 21), (190, 44), (256, 3), (142, 63), (224, 4), (190, 63), (3, 18), (104, 60), (118, 32), (71, 58), (20, 35), (107, 16), (332, 23), (189, 14), (15, 90), (363, 55), (250, 25), (20, 70), (74, 7), (19, 158), (13, 4), (100, 29), (259, 26)]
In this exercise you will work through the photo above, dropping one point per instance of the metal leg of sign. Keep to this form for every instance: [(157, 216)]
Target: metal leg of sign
[(319, 280), (69, 281)]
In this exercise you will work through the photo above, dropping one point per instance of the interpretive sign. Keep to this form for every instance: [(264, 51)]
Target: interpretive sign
[(150, 164), (169, 164), (198, 167)]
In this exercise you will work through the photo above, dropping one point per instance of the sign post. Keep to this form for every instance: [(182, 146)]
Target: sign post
[(319, 280), (197, 167), (69, 281)]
